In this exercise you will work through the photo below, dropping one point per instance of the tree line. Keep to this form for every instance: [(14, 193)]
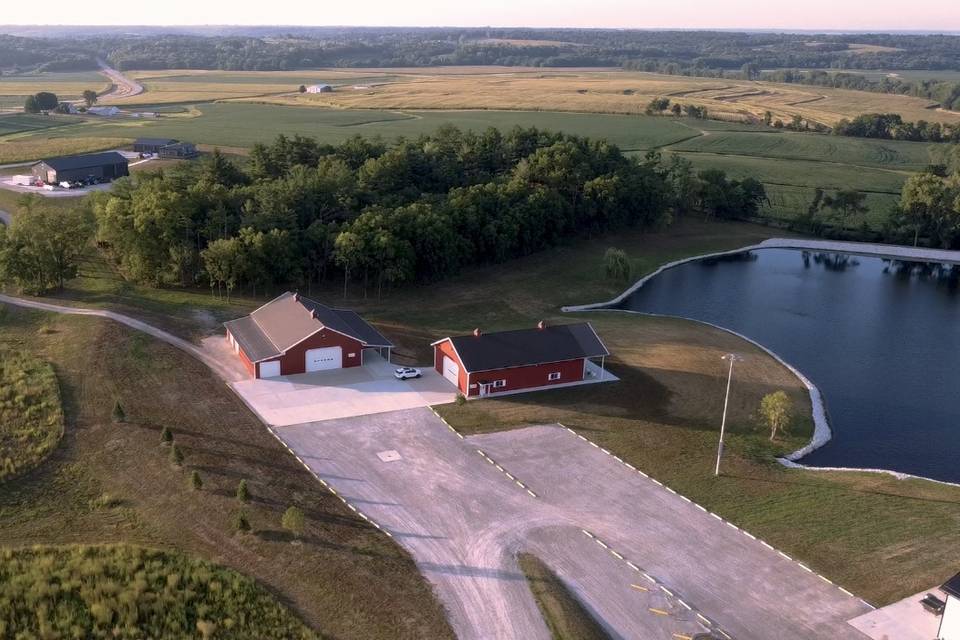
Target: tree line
[(376, 214), (284, 48), (48, 101), (929, 208), (946, 93), (891, 126)]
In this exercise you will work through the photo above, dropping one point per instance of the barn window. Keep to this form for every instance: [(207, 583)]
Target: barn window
[(553, 376), (351, 355), (499, 384)]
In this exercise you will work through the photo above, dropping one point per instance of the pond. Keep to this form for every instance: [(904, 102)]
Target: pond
[(880, 338)]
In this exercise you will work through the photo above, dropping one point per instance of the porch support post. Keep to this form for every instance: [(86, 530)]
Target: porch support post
[(603, 372)]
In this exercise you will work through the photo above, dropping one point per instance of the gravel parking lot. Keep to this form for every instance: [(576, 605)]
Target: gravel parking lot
[(643, 559)]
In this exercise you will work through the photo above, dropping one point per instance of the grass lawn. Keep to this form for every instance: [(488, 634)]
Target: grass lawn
[(131, 592), (31, 417), (113, 482), (565, 616)]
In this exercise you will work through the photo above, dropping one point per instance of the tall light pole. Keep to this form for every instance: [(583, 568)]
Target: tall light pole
[(732, 357)]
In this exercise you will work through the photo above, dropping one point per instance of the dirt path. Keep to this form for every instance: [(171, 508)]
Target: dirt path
[(208, 357)]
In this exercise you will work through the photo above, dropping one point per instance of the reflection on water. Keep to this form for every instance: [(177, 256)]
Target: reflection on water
[(879, 337)]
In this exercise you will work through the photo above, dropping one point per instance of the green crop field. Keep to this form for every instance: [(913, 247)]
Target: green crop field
[(791, 165), (23, 122), (894, 154), (243, 124)]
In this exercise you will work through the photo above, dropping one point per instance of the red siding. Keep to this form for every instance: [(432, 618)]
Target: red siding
[(530, 376), (294, 360), (446, 349), (517, 377), (243, 357)]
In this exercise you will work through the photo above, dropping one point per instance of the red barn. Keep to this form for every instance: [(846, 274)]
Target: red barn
[(508, 361), (293, 334)]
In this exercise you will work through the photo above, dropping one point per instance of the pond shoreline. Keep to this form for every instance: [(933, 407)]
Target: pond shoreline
[(822, 432)]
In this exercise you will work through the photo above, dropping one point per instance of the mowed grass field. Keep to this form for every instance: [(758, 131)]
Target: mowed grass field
[(67, 85)]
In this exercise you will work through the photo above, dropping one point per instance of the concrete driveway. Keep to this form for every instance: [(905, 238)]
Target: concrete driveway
[(647, 562), (341, 393)]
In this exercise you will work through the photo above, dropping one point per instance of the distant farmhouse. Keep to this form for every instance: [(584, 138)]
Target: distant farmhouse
[(104, 111), (168, 148), (319, 88), (151, 145), (105, 166)]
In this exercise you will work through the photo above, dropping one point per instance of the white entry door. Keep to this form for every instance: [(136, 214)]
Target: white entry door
[(270, 369), (322, 359), (451, 370)]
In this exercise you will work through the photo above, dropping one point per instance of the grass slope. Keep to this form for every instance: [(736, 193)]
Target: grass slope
[(31, 418), (114, 483), (565, 616), (130, 592)]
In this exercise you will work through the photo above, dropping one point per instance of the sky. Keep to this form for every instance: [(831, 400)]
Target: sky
[(925, 15)]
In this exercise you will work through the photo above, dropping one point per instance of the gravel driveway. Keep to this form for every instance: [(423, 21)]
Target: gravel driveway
[(641, 557)]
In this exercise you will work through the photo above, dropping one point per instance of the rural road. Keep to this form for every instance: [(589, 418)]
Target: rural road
[(463, 519), (123, 87), (646, 561)]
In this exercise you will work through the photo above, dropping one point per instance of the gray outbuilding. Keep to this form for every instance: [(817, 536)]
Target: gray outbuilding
[(106, 166)]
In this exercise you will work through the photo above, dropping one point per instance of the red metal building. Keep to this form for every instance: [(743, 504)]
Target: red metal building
[(293, 334), (485, 364)]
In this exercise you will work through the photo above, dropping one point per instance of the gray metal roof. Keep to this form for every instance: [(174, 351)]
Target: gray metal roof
[(65, 163), (524, 347), (289, 319), (254, 342), (952, 586), (155, 141), (362, 330)]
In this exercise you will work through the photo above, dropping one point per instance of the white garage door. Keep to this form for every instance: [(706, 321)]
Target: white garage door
[(451, 370), (270, 369), (326, 358)]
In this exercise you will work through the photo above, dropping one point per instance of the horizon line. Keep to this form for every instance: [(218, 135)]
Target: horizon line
[(794, 30)]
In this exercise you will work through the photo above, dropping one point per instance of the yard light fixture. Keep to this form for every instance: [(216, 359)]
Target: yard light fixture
[(731, 357)]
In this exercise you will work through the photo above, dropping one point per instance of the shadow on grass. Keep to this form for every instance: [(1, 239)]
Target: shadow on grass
[(839, 488)]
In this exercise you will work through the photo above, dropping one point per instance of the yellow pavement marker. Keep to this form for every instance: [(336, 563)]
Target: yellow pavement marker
[(659, 612), (639, 587)]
